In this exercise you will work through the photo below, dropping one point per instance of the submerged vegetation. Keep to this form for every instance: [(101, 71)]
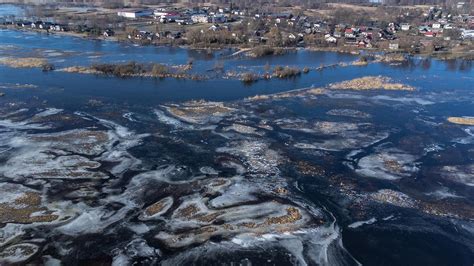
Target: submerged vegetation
[(286, 72), (120, 70), (249, 78), (134, 69), (260, 51)]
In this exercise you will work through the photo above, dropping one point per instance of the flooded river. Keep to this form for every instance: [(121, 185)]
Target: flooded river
[(102, 170)]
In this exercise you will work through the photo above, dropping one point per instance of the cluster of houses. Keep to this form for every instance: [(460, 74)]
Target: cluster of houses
[(150, 36), (293, 27), (183, 17), (49, 26), (296, 27)]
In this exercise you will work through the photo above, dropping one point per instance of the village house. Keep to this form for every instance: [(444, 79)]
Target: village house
[(200, 18), (36, 25), (57, 27), (350, 33), (330, 39), (108, 33), (460, 5), (467, 34), (218, 18), (45, 25), (165, 16), (24, 24), (405, 27), (393, 46), (448, 26)]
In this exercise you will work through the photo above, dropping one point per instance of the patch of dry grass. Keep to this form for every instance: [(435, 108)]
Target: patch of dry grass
[(370, 83), (23, 62), (469, 121)]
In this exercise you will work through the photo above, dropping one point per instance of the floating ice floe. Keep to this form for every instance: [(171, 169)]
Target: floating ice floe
[(256, 155), (136, 249), (243, 129), (18, 253), (348, 113), (463, 174), (389, 164), (200, 112), (336, 136), (442, 193), (469, 139), (43, 164), (253, 219), (361, 223), (48, 112)]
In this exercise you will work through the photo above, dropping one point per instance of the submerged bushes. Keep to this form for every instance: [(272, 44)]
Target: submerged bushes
[(120, 70), (159, 70), (132, 69), (249, 78), (286, 72), (260, 51)]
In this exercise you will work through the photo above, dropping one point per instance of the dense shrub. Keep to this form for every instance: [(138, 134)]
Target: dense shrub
[(260, 51), (120, 70), (47, 67), (286, 72), (249, 78), (159, 70)]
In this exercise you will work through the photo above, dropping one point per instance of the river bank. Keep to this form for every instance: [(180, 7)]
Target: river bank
[(247, 50)]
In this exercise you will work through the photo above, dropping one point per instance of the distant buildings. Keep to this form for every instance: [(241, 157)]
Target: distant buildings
[(393, 46), (405, 27), (467, 34), (135, 13), (200, 18)]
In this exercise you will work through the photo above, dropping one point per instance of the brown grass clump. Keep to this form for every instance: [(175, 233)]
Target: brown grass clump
[(79, 69), (188, 211), (258, 98), (24, 62), (469, 121), (370, 83), (249, 78), (286, 72), (155, 208), (292, 215), (23, 208)]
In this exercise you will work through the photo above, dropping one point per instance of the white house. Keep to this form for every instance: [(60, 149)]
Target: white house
[(393, 46), (405, 26), (466, 34), (133, 14), (219, 18), (330, 39), (200, 18)]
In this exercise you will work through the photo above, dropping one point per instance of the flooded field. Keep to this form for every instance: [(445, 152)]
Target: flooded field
[(348, 165)]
